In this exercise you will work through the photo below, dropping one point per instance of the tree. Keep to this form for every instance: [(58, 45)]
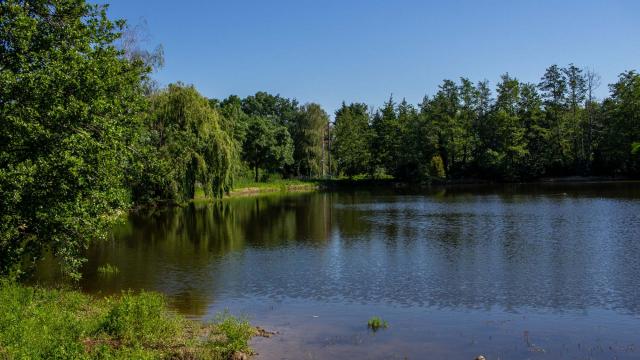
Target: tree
[(186, 146), (622, 127), (352, 138), (592, 108), (308, 134), (536, 135), (281, 110), (553, 87), (68, 101), (576, 91), (267, 146), (504, 143), (444, 113), (468, 117)]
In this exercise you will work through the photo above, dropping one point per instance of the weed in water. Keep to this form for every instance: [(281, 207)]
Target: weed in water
[(376, 323)]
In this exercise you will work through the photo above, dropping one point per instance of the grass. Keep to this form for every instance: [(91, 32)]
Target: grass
[(37, 323), (108, 270), (376, 323)]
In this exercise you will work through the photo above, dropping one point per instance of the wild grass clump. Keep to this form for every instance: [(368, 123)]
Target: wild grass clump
[(376, 323), (231, 334), (140, 319), (37, 323), (108, 270)]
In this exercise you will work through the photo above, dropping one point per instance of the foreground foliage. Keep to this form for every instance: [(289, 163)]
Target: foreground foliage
[(59, 324), (69, 101)]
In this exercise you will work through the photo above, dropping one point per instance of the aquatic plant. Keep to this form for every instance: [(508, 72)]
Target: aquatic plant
[(376, 323)]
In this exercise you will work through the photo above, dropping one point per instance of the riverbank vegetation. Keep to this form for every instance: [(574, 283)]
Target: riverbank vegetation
[(38, 323), (87, 134)]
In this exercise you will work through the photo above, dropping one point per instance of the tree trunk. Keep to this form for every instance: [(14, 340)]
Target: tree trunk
[(257, 173)]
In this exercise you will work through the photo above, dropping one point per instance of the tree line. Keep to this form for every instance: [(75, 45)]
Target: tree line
[(556, 127), (87, 134)]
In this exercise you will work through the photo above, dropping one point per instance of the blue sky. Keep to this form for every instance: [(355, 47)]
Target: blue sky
[(327, 51)]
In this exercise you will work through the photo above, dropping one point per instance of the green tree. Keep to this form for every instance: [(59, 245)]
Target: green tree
[(536, 135), (69, 100), (267, 146), (444, 114), (553, 87), (622, 127), (467, 141), (352, 139), (308, 132), (576, 129), (387, 138), (507, 146), (186, 146)]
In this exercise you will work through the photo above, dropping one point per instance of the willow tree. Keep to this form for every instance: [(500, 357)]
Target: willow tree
[(189, 147)]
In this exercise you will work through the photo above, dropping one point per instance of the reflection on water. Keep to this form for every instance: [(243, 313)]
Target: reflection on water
[(455, 271)]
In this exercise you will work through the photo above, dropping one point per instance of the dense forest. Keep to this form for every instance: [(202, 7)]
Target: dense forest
[(87, 134)]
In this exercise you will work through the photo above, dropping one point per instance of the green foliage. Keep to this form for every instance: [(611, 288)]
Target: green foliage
[(184, 145), (37, 323), (267, 145), (621, 114), (233, 334), (376, 323), (69, 101), (352, 135), (555, 128), (308, 133), (140, 319), (436, 167)]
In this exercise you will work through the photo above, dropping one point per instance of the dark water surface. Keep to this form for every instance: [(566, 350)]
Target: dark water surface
[(510, 272)]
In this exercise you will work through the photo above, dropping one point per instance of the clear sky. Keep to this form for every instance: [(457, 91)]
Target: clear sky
[(327, 51)]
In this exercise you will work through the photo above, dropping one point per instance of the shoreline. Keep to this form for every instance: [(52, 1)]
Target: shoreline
[(302, 186)]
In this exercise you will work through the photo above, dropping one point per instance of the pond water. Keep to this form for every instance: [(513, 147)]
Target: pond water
[(511, 272)]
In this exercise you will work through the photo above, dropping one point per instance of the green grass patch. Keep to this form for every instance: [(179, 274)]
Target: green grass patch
[(376, 323), (37, 323), (277, 185)]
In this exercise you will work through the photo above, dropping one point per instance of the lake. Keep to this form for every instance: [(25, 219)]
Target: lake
[(530, 271)]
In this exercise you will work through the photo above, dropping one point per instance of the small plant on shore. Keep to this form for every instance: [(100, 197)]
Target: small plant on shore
[(108, 270), (232, 334), (138, 319), (376, 323)]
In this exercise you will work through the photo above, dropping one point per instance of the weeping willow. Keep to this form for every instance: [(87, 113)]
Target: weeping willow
[(192, 149)]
